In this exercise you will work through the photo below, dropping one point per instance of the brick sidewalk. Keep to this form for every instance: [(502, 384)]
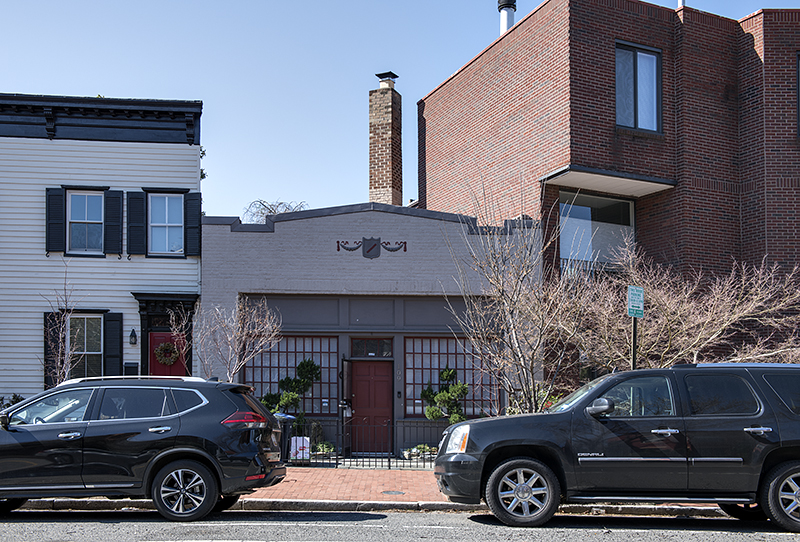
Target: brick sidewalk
[(322, 484)]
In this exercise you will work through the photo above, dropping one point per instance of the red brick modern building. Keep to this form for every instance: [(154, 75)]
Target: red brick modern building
[(678, 124)]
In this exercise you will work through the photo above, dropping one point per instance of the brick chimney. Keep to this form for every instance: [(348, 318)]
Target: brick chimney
[(385, 152)]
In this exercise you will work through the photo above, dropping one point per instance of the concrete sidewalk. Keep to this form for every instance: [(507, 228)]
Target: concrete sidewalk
[(327, 489)]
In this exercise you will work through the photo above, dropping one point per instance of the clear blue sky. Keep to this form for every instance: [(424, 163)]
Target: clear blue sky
[(284, 83)]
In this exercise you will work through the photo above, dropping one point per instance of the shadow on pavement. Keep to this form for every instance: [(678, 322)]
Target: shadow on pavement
[(640, 523), (232, 516)]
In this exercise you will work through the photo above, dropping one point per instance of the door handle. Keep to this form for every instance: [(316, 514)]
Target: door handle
[(160, 429), (758, 430), (69, 436), (665, 432)]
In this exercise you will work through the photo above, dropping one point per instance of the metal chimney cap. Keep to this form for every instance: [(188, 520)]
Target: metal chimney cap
[(387, 75), (504, 4)]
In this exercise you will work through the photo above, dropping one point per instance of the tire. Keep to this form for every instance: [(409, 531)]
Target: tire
[(7, 505), (745, 512), (184, 491), (780, 495), (225, 502), (523, 492)]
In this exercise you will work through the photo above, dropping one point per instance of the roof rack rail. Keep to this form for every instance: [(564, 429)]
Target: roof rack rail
[(133, 377)]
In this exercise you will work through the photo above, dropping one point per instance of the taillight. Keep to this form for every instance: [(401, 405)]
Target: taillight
[(250, 420)]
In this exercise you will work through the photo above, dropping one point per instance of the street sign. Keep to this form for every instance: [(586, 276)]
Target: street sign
[(635, 301)]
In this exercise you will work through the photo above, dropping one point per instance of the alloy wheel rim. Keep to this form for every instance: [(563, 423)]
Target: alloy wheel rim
[(523, 492), (183, 491), (789, 496)]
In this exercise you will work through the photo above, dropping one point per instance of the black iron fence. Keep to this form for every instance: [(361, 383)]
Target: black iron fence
[(403, 444)]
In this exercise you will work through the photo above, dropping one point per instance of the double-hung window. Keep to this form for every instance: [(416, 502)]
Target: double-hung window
[(85, 222), (86, 343), (638, 87), (165, 223)]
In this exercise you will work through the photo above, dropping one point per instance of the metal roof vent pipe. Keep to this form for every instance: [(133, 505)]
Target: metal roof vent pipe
[(506, 10)]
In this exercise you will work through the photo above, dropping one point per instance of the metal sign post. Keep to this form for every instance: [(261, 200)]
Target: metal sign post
[(635, 311)]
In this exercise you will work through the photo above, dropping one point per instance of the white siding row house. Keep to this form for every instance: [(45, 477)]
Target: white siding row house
[(99, 200)]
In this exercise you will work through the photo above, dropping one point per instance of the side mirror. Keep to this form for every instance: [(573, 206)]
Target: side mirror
[(4, 421), (601, 405)]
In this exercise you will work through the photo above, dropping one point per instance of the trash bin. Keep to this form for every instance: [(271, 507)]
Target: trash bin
[(287, 422)]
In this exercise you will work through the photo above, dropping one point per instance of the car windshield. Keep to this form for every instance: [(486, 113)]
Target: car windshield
[(569, 401)]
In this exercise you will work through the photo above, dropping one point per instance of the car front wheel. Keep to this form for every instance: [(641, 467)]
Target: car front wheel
[(780, 495), (523, 492), (184, 491), (7, 505)]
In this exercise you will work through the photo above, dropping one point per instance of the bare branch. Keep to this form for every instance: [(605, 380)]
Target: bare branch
[(230, 339)]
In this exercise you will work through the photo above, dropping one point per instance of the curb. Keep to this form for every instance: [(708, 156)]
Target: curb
[(100, 503)]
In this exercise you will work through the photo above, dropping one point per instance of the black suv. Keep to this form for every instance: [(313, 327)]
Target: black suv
[(191, 445), (717, 433)]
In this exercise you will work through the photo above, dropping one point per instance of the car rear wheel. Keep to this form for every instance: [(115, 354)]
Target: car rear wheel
[(523, 492), (184, 491), (225, 502), (7, 505), (780, 495), (746, 512)]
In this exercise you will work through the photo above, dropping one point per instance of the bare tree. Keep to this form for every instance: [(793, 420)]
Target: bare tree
[(61, 356), (180, 325), (524, 324), (228, 339), (258, 211), (751, 313)]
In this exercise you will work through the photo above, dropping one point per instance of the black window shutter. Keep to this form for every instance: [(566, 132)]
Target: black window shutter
[(112, 235), (56, 212), (112, 344), (192, 214), (137, 223)]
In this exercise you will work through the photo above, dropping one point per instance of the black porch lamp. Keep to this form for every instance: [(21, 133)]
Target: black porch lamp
[(132, 338)]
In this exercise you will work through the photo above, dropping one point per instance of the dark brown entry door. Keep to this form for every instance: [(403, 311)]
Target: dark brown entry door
[(178, 367), (372, 406)]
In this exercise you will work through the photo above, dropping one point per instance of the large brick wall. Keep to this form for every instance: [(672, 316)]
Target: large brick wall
[(542, 97), (770, 43), (501, 122)]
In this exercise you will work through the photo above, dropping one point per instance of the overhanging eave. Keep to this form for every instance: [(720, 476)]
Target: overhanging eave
[(609, 182)]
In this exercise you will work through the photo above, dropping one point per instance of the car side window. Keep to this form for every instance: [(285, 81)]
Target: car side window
[(63, 407), (787, 386), (641, 396), (130, 403), (186, 399), (720, 394)]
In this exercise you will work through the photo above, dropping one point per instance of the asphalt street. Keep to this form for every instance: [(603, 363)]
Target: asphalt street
[(386, 526)]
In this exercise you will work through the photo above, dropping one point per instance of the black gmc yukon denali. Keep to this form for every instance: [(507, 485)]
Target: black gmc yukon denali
[(717, 433)]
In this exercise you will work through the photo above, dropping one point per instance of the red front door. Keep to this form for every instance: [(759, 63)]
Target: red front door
[(372, 406), (178, 368)]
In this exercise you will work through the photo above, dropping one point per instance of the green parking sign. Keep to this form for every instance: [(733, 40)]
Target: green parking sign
[(635, 301)]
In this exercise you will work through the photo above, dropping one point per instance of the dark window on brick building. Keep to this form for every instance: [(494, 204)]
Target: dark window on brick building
[(638, 75)]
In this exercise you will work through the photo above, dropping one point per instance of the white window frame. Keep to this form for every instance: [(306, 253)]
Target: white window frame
[(85, 220), (168, 225), (82, 352)]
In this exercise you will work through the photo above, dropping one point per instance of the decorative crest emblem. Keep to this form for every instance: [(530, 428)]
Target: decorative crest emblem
[(371, 248)]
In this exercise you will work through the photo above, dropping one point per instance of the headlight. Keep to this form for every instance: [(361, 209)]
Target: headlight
[(458, 440)]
